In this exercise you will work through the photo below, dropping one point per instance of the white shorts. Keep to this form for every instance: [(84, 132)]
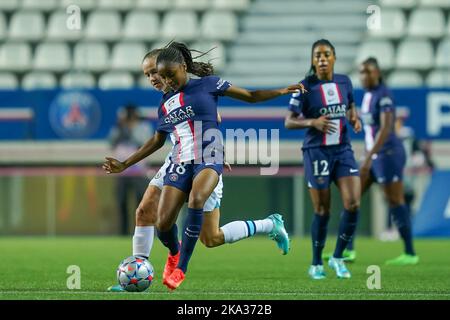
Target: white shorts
[(213, 200)]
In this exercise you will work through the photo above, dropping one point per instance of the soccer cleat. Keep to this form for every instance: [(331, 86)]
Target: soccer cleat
[(403, 260), (116, 288), (316, 272), (278, 233), (171, 264), (338, 265), (175, 279), (348, 255)]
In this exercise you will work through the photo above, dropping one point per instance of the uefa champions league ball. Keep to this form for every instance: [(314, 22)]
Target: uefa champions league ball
[(135, 274)]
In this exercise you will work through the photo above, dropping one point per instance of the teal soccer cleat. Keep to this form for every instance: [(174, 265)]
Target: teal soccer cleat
[(279, 234), (338, 265), (116, 288), (317, 272)]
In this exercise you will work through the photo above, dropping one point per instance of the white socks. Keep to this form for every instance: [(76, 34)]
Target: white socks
[(238, 230), (143, 240)]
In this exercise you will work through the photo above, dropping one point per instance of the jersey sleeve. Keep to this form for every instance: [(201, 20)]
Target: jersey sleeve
[(386, 104), (216, 85), (297, 101)]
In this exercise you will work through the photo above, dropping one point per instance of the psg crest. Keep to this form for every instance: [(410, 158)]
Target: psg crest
[(74, 114)]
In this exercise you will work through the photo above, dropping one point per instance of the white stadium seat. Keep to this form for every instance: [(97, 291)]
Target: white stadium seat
[(393, 24), (3, 28), (103, 25), (27, 25), (354, 78), (217, 57), (405, 4), (448, 24), (8, 81), (42, 5), (91, 56), (415, 54), (15, 56), (269, 81), (154, 4), (84, 5), (443, 54), (405, 79), (438, 79), (115, 4), (141, 25), (435, 3), (39, 80), (9, 5), (73, 80), (52, 56), (180, 25), (115, 80), (237, 5), (420, 23), (127, 56), (57, 28), (219, 25), (382, 50), (191, 5)]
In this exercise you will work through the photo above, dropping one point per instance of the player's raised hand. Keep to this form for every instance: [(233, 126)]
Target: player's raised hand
[(294, 89), (324, 124), (112, 165)]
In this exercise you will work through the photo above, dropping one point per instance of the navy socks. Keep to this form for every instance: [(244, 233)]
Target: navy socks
[(191, 233), (347, 228), (170, 239), (318, 235), (402, 220)]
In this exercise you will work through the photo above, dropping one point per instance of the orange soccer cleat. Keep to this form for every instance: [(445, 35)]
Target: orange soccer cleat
[(175, 279), (171, 264)]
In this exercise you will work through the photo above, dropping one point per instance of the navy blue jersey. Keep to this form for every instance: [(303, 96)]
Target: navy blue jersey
[(332, 98), (181, 111), (376, 101)]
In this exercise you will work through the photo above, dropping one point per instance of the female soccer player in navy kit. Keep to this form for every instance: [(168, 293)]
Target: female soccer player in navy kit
[(196, 161), (325, 110), (385, 156)]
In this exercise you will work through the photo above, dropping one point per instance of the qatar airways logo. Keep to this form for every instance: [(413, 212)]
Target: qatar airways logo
[(336, 111), (180, 114)]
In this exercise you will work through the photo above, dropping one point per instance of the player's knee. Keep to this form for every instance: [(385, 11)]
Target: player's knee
[(352, 205), (197, 201), (322, 210)]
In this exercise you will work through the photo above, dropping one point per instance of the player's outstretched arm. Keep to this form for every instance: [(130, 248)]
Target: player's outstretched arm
[(261, 95), (112, 165), (323, 124)]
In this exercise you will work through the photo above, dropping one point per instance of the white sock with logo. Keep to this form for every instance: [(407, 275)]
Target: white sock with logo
[(143, 240), (238, 230)]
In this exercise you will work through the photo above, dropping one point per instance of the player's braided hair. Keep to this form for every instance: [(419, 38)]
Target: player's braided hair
[(373, 61), (321, 42), (178, 52)]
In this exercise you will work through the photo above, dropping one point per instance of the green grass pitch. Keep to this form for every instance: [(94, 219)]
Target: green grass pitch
[(35, 268)]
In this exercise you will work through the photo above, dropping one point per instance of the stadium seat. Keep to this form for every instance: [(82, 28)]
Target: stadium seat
[(8, 81), (91, 56), (52, 56), (267, 52), (420, 23), (438, 78), (15, 56), (272, 81), (154, 4), (9, 5), (84, 5), (26, 25), (257, 68), (41, 5), (382, 50), (237, 5), (39, 80), (443, 4), (415, 54), (115, 80), (128, 56), (217, 57), (180, 25), (141, 25), (191, 5), (3, 28), (219, 25), (443, 54), (77, 80), (405, 4), (121, 5), (103, 25), (354, 77), (405, 79), (393, 25), (57, 28)]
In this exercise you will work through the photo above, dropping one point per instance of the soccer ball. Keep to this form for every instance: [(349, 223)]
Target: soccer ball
[(135, 274)]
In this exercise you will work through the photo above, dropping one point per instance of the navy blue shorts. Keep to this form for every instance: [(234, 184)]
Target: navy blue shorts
[(181, 175), (387, 166), (327, 164)]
